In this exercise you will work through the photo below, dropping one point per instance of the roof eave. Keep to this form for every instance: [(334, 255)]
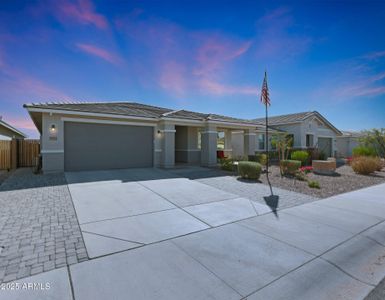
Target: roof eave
[(13, 129)]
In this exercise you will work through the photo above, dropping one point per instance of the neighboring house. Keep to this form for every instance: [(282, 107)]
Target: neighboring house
[(346, 142), (92, 136), (308, 130), (8, 132)]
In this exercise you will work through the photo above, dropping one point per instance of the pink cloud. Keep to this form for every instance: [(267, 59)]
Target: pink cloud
[(20, 122), (17, 84), (173, 78), (215, 52), (219, 89), (80, 11), (100, 52), (183, 61), (363, 87)]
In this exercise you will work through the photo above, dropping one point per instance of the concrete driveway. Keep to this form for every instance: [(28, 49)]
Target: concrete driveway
[(123, 209), (196, 242)]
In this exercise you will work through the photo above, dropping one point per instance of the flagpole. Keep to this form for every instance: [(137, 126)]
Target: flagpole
[(267, 142)]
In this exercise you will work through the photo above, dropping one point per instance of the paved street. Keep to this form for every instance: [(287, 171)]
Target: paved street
[(152, 234)]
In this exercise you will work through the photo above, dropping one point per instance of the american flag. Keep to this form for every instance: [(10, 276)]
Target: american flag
[(265, 99)]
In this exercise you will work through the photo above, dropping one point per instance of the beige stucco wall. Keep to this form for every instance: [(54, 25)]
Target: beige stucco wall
[(345, 145), (186, 145), (312, 126)]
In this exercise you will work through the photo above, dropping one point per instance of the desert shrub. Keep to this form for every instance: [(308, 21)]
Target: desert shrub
[(313, 184), (259, 158), (364, 151), (379, 164), (300, 155), (262, 158), (300, 175), (249, 169), (364, 164), (374, 139), (288, 166), (227, 164)]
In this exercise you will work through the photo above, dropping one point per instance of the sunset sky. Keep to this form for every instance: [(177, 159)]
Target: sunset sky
[(206, 56)]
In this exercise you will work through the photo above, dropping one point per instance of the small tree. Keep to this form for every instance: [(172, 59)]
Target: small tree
[(374, 139), (283, 143)]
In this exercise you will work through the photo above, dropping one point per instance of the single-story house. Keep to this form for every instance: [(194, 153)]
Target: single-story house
[(8, 132), (347, 142), (92, 136), (308, 130)]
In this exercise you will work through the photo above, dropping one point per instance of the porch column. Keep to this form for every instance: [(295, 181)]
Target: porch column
[(249, 142), (168, 145), (228, 145), (209, 146)]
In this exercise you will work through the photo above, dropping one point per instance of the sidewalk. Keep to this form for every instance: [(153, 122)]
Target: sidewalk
[(329, 249)]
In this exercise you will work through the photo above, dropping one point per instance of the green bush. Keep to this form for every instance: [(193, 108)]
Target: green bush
[(302, 156), (259, 158), (288, 166), (249, 169), (364, 151), (365, 164), (313, 184), (227, 164)]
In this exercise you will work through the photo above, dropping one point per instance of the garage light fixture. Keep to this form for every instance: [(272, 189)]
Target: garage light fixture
[(53, 128)]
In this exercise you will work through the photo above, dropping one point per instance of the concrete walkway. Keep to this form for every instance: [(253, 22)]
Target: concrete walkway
[(329, 249)]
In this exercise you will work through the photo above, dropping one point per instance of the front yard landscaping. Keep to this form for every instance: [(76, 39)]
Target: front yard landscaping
[(344, 180)]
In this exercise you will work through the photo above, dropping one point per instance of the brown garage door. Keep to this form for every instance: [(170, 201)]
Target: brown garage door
[(100, 146)]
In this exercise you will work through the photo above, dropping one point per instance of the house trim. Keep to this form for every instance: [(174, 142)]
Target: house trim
[(86, 120), (81, 113)]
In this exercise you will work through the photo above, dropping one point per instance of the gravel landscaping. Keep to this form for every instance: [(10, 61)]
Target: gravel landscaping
[(344, 180)]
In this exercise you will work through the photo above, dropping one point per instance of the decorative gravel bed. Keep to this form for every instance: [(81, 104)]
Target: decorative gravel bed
[(345, 180)]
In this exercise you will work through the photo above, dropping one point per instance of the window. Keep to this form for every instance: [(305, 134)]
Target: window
[(261, 141), (309, 140), (221, 140)]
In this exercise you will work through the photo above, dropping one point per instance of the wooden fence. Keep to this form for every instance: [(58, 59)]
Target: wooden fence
[(28, 151), (5, 155), (18, 153)]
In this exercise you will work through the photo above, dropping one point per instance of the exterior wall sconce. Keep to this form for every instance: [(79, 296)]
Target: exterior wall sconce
[(53, 132), (158, 132), (52, 128)]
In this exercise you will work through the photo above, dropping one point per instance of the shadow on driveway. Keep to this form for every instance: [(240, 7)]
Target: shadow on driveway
[(24, 178)]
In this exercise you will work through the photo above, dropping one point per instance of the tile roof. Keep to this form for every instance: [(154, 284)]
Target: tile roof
[(295, 118), (348, 133), (284, 119), (136, 110)]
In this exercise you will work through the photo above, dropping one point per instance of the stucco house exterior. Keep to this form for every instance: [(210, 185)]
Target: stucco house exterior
[(347, 142), (8, 132), (308, 130), (92, 136)]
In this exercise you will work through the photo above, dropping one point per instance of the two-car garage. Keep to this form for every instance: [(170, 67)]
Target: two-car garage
[(94, 146)]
